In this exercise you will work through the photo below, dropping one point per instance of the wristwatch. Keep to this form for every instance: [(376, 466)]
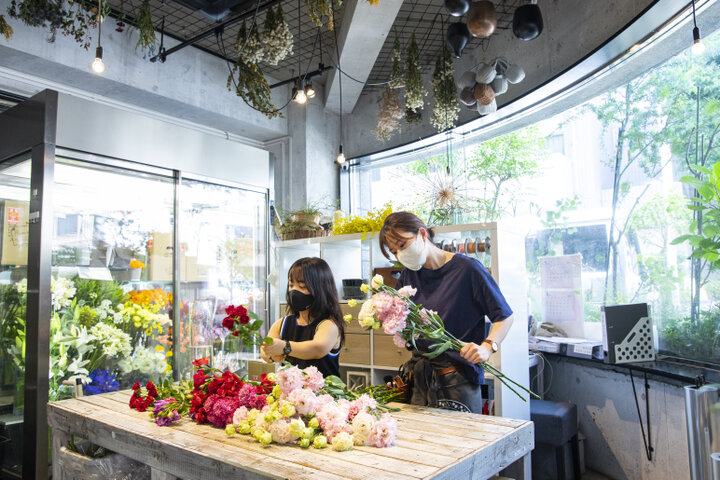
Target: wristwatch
[(493, 344), (287, 349)]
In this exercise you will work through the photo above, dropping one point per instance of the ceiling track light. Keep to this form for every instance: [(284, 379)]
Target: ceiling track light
[(97, 65), (698, 47), (309, 90)]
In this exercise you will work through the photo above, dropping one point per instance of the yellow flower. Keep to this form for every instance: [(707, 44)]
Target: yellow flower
[(136, 264), (313, 423), (159, 348), (352, 302), (320, 441), (364, 288), (348, 318), (376, 282)]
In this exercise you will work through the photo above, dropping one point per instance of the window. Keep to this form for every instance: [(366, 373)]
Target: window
[(606, 179)]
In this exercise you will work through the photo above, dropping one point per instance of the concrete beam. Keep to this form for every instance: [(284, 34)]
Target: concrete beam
[(360, 38)]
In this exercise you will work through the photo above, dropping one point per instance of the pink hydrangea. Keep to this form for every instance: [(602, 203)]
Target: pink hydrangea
[(362, 404), (314, 379), (407, 291), (220, 410), (249, 398), (399, 341), (304, 400), (384, 432), (391, 312), (290, 379), (240, 415)]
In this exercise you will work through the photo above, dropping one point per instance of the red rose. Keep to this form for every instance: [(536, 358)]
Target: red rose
[(244, 319), (230, 309), (228, 322), (136, 385), (236, 333)]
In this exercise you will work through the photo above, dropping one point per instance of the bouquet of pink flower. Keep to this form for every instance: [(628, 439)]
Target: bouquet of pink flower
[(302, 410), (400, 317)]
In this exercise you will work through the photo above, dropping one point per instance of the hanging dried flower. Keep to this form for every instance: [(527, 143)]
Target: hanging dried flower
[(252, 87), (389, 114), (5, 29), (396, 76), (317, 9), (413, 117), (146, 28), (446, 109), (76, 21), (414, 88), (277, 36), (249, 46)]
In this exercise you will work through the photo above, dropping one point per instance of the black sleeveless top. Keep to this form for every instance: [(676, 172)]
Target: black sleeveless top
[(290, 330)]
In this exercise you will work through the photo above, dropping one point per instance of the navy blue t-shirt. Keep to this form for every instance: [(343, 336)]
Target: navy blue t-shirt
[(463, 293)]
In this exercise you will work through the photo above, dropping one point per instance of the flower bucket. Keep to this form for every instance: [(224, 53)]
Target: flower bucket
[(113, 466)]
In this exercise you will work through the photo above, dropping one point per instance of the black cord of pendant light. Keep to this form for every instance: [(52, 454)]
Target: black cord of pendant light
[(340, 160), (97, 65), (697, 47)]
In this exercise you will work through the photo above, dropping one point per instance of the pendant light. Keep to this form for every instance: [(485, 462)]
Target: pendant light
[(97, 65), (340, 159), (698, 47)]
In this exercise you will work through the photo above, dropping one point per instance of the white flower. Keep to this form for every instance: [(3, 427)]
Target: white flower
[(362, 424), (113, 340), (376, 282), (63, 290), (342, 441), (21, 286), (366, 317)]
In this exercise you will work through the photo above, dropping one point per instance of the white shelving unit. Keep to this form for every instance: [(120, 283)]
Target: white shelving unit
[(352, 256)]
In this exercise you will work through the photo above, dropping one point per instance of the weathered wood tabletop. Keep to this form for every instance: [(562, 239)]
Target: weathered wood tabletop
[(432, 443)]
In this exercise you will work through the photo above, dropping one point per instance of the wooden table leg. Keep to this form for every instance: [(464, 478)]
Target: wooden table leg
[(521, 469), (60, 438)]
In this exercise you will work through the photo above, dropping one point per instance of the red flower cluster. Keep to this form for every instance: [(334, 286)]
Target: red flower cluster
[(235, 315), (266, 385), (140, 402), (206, 384)]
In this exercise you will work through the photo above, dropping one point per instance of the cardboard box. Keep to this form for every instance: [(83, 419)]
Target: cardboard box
[(257, 368), (15, 232), (160, 257)]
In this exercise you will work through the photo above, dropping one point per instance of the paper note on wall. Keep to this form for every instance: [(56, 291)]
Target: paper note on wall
[(561, 290), (16, 232)]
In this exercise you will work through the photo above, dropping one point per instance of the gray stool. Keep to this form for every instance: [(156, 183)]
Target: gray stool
[(556, 425)]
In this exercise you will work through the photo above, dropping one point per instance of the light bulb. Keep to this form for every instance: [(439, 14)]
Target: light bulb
[(97, 65), (300, 97), (340, 159), (309, 90), (698, 47)]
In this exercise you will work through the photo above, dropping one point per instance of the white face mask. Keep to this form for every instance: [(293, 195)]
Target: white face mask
[(414, 255)]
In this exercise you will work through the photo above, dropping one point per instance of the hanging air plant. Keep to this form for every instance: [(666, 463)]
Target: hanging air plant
[(414, 88), (252, 87), (389, 114), (446, 109), (249, 46), (5, 29), (317, 9), (396, 76), (146, 28), (277, 36)]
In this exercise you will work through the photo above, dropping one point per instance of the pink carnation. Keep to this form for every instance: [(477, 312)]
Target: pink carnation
[(314, 379), (407, 291), (240, 415), (304, 400), (425, 315), (249, 398), (332, 429), (384, 432), (391, 312), (399, 341), (331, 414), (220, 410), (362, 404), (322, 400), (280, 430), (290, 379)]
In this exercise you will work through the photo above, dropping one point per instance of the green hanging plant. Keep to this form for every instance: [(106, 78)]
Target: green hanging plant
[(396, 75), (5, 29), (389, 114), (252, 87), (277, 36), (75, 22), (413, 117), (145, 27), (446, 109), (249, 47), (317, 9), (414, 88)]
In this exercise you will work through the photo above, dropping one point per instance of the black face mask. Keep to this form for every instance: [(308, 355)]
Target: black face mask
[(299, 301)]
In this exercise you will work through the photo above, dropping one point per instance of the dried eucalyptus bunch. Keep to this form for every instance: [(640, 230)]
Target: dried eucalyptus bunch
[(446, 109), (396, 75), (317, 9), (389, 114), (252, 87), (277, 36), (5, 29), (146, 28), (249, 46), (414, 88)]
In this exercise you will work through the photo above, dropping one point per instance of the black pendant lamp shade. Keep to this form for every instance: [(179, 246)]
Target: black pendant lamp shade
[(527, 22), (457, 37), (457, 8)]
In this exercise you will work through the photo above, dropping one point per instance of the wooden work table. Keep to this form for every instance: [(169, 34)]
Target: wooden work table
[(432, 443)]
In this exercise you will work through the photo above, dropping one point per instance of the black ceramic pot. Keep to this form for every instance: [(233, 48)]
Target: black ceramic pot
[(457, 8), (527, 22), (457, 37)]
